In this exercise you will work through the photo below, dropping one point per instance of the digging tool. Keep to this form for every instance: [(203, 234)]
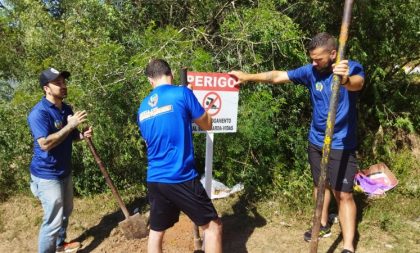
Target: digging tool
[(198, 243), (329, 131), (134, 226)]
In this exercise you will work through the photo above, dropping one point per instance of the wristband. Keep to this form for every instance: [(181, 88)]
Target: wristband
[(348, 81)]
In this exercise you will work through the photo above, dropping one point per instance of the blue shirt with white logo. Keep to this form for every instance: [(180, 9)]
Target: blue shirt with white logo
[(164, 118), (320, 85), (45, 119)]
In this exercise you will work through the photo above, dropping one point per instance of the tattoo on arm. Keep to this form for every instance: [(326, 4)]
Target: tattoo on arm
[(59, 134), (56, 138), (269, 76)]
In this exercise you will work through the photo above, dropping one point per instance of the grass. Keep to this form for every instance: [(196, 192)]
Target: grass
[(397, 216), (388, 224)]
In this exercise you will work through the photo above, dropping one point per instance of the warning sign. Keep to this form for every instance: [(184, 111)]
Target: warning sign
[(212, 103), (219, 97)]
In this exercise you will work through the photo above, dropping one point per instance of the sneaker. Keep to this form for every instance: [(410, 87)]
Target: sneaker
[(324, 231), (346, 251), (68, 247)]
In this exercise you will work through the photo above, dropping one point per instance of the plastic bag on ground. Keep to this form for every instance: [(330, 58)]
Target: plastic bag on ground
[(375, 180), (219, 190)]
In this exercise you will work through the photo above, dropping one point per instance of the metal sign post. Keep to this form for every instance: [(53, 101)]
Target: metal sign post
[(219, 96), (208, 170)]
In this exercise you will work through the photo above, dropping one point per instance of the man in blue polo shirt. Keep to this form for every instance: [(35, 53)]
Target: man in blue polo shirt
[(164, 118), (317, 77), (54, 128)]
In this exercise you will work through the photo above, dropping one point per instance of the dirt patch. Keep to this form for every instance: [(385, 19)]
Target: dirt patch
[(415, 145), (95, 223)]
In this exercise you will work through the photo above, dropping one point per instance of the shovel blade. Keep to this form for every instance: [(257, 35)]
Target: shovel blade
[(134, 227)]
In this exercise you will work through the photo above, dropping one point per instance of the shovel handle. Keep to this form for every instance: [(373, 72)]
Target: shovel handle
[(183, 76), (196, 232), (106, 176)]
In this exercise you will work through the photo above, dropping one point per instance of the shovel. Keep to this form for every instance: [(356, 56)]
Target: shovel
[(134, 226), (198, 242)]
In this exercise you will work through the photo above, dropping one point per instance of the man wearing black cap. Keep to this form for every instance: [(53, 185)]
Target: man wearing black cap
[(54, 128)]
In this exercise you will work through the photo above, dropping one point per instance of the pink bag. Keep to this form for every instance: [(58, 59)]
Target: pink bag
[(375, 180)]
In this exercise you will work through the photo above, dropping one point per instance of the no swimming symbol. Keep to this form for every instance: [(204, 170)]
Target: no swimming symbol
[(212, 103)]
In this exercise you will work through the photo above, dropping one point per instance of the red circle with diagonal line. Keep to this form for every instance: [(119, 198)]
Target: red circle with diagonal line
[(212, 103)]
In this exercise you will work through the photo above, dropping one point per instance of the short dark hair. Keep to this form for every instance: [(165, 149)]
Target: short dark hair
[(323, 40), (157, 68)]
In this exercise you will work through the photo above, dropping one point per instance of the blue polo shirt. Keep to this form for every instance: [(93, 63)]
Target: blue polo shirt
[(320, 85), (45, 119), (164, 118)]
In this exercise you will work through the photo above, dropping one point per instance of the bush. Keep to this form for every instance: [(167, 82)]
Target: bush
[(106, 46)]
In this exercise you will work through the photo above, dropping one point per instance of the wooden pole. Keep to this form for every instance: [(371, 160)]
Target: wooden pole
[(107, 177), (198, 243), (329, 131)]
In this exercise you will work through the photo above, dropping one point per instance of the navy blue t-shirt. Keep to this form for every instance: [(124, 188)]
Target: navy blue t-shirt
[(45, 119), (320, 85), (164, 118)]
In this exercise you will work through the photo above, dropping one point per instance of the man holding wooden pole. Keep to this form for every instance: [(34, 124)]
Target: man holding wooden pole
[(342, 167)]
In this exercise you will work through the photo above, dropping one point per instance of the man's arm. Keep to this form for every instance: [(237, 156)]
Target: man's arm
[(275, 77), (52, 140), (204, 122), (351, 83), (354, 83)]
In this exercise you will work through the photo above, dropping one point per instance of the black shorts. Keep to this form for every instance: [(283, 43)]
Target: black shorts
[(167, 200), (342, 167)]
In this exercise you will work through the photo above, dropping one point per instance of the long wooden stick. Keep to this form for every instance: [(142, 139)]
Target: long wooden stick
[(198, 243), (107, 177), (329, 131)]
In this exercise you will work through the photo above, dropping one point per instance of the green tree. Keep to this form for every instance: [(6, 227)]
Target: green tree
[(106, 44)]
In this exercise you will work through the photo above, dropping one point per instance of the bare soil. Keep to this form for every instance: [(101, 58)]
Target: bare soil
[(95, 224)]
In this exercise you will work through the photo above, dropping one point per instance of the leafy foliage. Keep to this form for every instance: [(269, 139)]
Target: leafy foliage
[(106, 45)]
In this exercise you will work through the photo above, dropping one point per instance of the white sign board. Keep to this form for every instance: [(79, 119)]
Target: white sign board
[(219, 96)]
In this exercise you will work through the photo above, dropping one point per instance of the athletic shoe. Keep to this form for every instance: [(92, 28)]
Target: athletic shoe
[(68, 247), (324, 231), (346, 251)]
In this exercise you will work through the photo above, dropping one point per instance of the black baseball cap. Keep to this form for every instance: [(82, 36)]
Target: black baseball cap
[(51, 74)]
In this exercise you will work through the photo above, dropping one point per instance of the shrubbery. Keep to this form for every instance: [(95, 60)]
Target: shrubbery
[(106, 44)]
